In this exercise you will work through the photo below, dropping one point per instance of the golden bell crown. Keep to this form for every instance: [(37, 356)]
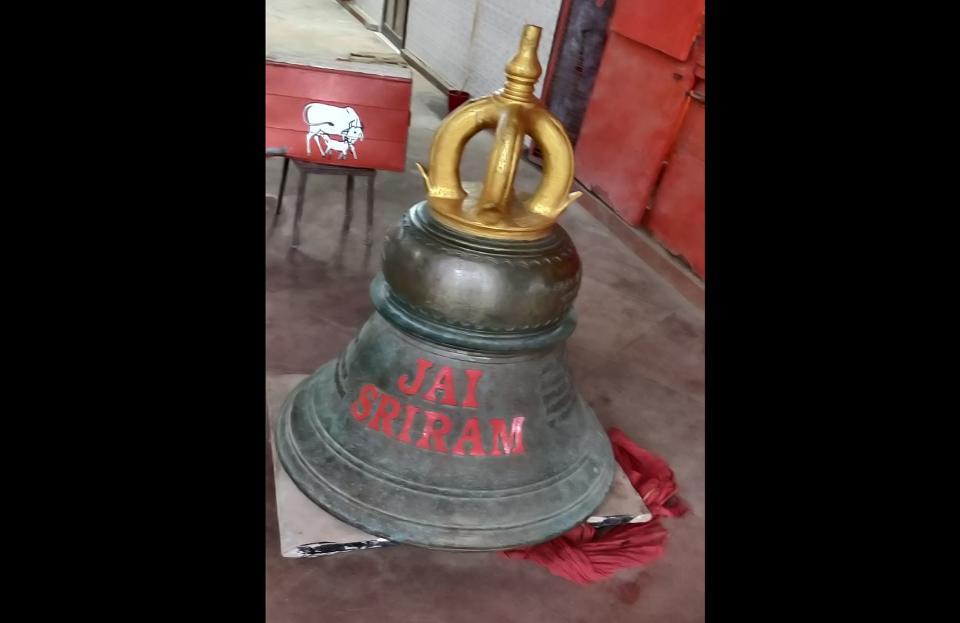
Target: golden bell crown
[(493, 209)]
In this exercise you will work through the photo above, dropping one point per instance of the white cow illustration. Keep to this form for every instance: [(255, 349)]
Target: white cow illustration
[(340, 128), (333, 144)]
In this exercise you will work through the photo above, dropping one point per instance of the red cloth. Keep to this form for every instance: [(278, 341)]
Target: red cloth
[(649, 474), (585, 554)]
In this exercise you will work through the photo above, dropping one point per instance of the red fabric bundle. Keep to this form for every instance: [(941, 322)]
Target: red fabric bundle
[(649, 474), (585, 554)]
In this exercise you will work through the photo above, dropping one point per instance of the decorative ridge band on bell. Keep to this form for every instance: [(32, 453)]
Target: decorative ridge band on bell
[(519, 295), (494, 209)]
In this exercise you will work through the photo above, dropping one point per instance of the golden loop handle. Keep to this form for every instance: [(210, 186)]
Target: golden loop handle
[(443, 181), (513, 112), (502, 165)]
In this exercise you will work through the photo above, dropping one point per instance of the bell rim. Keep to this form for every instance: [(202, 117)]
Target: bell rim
[(337, 449), (346, 508)]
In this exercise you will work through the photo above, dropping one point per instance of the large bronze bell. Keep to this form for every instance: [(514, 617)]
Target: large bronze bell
[(451, 420)]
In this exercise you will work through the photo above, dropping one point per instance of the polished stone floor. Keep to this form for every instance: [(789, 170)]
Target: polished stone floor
[(637, 357)]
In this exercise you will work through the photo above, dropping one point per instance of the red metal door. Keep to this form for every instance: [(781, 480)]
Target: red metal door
[(638, 104), (670, 26), (641, 144), (676, 214)]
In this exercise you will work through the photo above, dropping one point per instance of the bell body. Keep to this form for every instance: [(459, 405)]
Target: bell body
[(451, 420)]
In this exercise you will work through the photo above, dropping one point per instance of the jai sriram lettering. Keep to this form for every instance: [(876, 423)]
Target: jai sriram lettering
[(433, 430)]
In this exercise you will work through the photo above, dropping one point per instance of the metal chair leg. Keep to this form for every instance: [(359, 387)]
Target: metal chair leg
[(370, 179), (283, 184), (298, 212), (348, 207)]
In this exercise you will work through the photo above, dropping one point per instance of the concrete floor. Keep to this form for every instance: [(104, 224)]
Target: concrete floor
[(637, 357)]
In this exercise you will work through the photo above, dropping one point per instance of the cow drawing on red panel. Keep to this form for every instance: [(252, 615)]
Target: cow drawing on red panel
[(339, 128)]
